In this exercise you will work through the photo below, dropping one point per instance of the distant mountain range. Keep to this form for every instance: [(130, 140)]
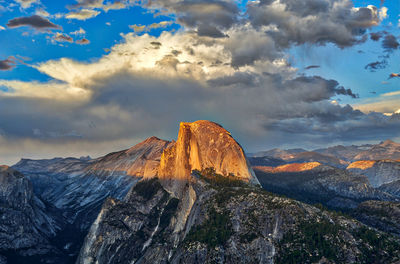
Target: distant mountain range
[(338, 156), (198, 200)]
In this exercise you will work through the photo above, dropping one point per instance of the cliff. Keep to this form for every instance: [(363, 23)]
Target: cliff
[(379, 172), (201, 145)]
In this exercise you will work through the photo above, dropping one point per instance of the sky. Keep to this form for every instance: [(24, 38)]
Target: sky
[(88, 77)]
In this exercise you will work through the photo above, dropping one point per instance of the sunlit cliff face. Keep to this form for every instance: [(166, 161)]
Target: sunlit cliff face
[(201, 145), (362, 164)]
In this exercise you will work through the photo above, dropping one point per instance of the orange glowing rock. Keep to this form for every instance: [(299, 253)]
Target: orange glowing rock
[(292, 167), (362, 164)]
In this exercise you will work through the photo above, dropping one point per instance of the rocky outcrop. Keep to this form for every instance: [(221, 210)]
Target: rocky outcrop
[(142, 160), (316, 183), (80, 186), (393, 188), (77, 188), (25, 223), (380, 214), (204, 208), (378, 172), (204, 144), (228, 223)]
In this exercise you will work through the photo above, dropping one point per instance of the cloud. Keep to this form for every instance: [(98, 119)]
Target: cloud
[(138, 28), (383, 13), (242, 80), (34, 21), (83, 41), (394, 75), (312, 67), (51, 90), (313, 21), (42, 12), (114, 6), (376, 36), (342, 91), (79, 32), (384, 103), (63, 38), (88, 3), (147, 28), (390, 43), (200, 14), (99, 4), (26, 3), (2, 28), (377, 65), (7, 64), (82, 14)]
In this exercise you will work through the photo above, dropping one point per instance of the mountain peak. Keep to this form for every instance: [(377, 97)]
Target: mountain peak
[(204, 144), (388, 142)]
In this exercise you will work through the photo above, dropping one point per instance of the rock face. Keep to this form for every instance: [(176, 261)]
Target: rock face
[(378, 172), (218, 214), (201, 145), (25, 224), (380, 214), (77, 188), (230, 222), (142, 160), (316, 183)]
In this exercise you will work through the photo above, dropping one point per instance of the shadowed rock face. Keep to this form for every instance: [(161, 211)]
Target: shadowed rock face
[(24, 222), (378, 172), (201, 145), (77, 188)]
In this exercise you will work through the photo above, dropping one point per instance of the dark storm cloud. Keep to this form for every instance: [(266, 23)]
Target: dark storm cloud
[(34, 21), (335, 21), (377, 65), (217, 13), (335, 123), (210, 31), (390, 43), (209, 17), (326, 88), (7, 64), (235, 79)]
